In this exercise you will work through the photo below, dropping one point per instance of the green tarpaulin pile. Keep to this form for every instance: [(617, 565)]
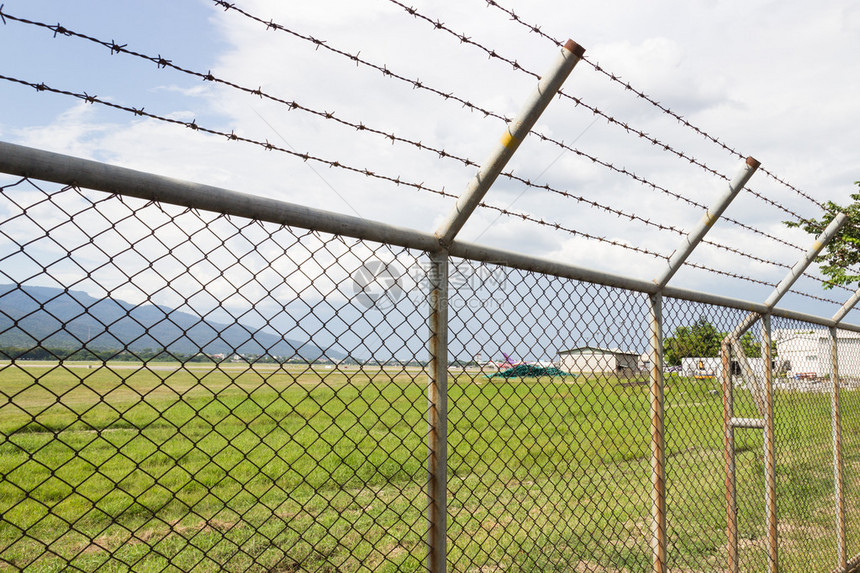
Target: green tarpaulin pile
[(529, 371)]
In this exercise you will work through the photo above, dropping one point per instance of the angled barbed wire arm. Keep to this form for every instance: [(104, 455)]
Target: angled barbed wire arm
[(795, 273), (800, 266), (695, 236), (846, 308), (516, 131)]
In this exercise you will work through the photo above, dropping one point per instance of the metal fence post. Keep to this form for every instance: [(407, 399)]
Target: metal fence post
[(729, 455), (659, 541), (437, 415), (838, 479), (769, 449), (658, 438)]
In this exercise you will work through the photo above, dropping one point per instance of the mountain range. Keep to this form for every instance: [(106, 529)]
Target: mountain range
[(32, 316)]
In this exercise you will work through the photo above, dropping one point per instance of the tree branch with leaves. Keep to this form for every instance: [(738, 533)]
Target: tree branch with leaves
[(843, 251)]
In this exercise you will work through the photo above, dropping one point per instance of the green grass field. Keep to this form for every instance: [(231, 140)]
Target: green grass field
[(237, 468)]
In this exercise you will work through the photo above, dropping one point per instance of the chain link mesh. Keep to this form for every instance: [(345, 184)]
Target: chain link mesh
[(695, 448), (547, 472), (189, 391), (169, 427), (849, 399)]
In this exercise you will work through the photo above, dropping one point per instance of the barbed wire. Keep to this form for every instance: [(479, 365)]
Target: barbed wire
[(165, 63), (760, 282), (571, 231), (642, 95), (504, 211), (232, 136), (728, 274), (439, 25), (492, 54), (417, 84), (318, 43)]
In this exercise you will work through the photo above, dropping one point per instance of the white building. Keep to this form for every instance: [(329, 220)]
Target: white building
[(588, 359), (807, 352), (707, 366), (702, 366)]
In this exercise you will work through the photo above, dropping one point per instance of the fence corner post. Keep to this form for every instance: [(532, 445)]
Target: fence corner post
[(437, 415)]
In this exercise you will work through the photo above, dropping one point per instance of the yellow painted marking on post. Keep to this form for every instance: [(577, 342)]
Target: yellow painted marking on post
[(816, 245), (509, 141), (709, 219)]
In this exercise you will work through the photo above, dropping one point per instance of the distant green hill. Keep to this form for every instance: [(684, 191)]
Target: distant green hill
[(56, 318)]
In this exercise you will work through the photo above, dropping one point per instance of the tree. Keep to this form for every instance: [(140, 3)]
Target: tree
[(843, 251), (702, 339)]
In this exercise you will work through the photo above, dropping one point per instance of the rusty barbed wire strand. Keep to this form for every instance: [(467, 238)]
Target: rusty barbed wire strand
[(232, 136), (464, 39), (760, 282), (560, 227), (729, 274), (818, 298), (642, 95), (40, 87), (438, 25), (164, 63), (417, 84)]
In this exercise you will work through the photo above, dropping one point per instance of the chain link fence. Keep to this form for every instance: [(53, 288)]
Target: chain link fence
[(184, 390)]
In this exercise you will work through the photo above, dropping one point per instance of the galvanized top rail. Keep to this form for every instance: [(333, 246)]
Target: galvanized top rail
[(24, 161)]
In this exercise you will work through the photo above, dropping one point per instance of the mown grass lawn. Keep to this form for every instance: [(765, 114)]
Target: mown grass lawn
[(117, 468)]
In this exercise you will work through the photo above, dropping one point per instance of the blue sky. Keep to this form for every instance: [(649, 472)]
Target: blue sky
[(776, 80)]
